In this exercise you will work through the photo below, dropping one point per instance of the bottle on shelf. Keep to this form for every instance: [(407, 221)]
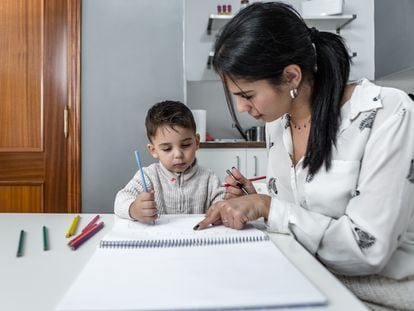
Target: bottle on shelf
[(244, 4)]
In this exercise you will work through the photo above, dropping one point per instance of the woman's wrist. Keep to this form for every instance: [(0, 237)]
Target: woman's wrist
[(264, 205)]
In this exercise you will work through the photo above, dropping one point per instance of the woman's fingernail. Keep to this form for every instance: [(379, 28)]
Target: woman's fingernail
[(196, 227)]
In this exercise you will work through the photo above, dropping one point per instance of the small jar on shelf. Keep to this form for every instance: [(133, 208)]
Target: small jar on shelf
[(244, 4)]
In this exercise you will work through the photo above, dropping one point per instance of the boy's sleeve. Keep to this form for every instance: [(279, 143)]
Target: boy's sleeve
[(217, 190), (126, 196)]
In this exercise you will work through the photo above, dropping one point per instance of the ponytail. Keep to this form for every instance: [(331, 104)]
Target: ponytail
[(332, 73)]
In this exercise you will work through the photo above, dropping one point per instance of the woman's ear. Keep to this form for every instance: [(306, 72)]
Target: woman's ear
[(151, 149), (292, 75)]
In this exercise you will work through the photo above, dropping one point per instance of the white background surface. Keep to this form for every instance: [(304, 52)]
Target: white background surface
[(39, 279)]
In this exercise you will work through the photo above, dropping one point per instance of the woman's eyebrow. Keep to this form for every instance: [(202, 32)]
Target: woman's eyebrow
[(242, 92)]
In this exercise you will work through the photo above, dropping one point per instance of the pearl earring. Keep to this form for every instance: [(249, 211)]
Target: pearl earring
[(294, 93)]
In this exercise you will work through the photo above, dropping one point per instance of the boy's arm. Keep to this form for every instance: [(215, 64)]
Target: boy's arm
[(217, 190)]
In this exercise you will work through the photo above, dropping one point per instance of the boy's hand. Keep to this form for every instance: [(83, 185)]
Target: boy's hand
[(144, 208)]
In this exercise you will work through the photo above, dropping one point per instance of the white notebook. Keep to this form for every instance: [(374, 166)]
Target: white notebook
[(169, 266)]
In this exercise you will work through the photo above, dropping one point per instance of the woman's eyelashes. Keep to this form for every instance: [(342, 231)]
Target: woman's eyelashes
[(247, 97)]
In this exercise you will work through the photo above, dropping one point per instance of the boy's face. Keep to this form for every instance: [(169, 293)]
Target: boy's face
[(174, 147)]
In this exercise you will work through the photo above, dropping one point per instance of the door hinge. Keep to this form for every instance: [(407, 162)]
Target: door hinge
[(65, 122)]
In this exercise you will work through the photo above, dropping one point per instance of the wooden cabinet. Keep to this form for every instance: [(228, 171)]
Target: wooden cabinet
[(252, 162)]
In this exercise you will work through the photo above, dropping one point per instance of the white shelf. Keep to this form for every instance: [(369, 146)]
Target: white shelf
[(329, 22), (216, 21), (322, 22), (210, 59)]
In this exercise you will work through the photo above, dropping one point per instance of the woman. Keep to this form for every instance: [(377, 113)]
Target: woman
[(341, 169)]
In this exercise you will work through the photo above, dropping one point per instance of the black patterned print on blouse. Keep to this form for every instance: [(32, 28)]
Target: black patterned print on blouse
[(271, 186), (365, 240), (355, 193), (272, 144), (309, 178), (287, 121), (368, 121), (410, 175)]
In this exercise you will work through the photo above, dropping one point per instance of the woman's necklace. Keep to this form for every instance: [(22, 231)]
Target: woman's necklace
[(300, 126)]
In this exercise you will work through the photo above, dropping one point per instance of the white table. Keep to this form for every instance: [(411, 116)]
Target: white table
[(39, 279)]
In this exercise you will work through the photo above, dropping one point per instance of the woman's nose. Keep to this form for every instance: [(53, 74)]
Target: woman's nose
[(242, 104)]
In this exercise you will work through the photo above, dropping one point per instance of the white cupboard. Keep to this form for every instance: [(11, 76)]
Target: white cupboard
[(252, 162)]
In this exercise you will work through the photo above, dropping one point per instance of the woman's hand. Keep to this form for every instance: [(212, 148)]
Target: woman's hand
[(236, 212), (144, 208), (234, 190)]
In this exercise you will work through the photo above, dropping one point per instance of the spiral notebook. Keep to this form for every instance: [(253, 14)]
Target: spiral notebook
[(169, 266)]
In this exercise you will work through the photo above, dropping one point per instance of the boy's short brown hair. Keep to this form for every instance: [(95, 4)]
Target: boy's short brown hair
[(168, 113)]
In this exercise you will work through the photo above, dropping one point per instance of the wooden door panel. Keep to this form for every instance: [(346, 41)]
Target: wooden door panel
[(39, 80), (22, 166), (21, 33), (21, 198)]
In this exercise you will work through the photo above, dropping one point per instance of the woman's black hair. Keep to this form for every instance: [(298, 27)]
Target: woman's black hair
[(264, 38)]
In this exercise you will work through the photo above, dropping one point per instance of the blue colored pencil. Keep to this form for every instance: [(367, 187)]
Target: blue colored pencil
[(138, 158)]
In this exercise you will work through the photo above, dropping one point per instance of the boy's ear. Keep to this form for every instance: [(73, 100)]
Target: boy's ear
[(197, 140), (152, 151)]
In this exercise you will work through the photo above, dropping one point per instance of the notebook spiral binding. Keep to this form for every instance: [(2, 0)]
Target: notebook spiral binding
[(185, 242)]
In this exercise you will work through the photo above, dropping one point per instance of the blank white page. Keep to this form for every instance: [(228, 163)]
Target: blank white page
[(229, 276)]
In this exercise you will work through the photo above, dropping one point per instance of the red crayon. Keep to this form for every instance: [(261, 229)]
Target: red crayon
[(91, 223), (84, 236)]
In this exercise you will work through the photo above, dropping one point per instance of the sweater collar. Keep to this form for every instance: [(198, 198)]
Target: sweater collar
[(187, 174)]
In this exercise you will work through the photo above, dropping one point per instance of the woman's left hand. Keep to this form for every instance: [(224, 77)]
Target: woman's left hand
[(234, 185), (236, 212)]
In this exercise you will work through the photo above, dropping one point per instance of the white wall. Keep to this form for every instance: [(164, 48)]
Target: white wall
[(394, 36), (132, 57)]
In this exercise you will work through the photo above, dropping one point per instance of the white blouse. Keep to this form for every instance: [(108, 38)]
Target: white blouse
[(358, 217)]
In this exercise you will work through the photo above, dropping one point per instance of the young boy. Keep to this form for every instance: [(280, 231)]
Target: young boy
[(177, 184)]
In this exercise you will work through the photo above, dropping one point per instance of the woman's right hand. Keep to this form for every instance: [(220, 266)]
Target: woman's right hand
[(233, 190), (236, 212), (144, 208)]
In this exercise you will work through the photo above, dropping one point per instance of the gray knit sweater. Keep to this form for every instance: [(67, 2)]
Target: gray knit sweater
[(191, 192)]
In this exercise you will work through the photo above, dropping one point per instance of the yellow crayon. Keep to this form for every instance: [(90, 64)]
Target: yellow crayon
[(73, 226)]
